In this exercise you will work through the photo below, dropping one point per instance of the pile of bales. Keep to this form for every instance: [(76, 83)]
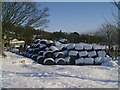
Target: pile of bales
[(48, 52)]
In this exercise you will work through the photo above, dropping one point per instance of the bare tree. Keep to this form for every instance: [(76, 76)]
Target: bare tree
[(21, 14)]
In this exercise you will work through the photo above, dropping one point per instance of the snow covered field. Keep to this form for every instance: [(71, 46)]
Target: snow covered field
[(22, 72)]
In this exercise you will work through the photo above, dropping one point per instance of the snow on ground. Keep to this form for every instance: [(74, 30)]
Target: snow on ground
[(21, 72)]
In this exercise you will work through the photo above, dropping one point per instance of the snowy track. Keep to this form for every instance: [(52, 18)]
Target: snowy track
[(21, 72)]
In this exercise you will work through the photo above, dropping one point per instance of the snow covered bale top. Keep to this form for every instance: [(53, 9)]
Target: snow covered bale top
[(78, 47), (101, 53), (92, 53), (83, 53), (42, 46), (96, 47), (73, 53), (63, 40), (53, 48), (87, 47), (70, 46)]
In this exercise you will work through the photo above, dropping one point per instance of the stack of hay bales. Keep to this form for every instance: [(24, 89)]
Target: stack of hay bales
[(50, 52)]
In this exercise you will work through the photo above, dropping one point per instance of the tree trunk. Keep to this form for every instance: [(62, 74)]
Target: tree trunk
[(3, 43)]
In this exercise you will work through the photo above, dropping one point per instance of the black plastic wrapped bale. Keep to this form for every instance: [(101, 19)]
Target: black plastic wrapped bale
[(34, 57), (40, 59), (25, 54), (53, 48), (41, 52), (73, 56), (79, 47), (43, 41), (42, 46), (30, 55), (49, 61), (83, 54), (70, 46), (48, 54), (36, 51), (49, 43), (36, 41), (60, 61), (59, 54)]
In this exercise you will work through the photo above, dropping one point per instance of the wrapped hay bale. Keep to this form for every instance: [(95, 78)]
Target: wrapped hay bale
[(79, 61), (36, 50), (78, 47), (101, 53), (110, 64), (34, 57), (60, 61), (83, 54), (49, 43), (70, 46), (73, 56), (65, 52), (43, 41), (96, 47), (67, 60), (41, 52), (98, 60), (63, 41), (60, 47), (88, 61), (53, 48), (88, 47), (36, 41), (48, 54), (59, 54), (40, 59), (42, 46), (92, 54), (30, 55), (48, 61)]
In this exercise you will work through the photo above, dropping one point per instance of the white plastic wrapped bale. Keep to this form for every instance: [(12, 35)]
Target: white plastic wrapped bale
[(40, 59), (57, 43), (78, 47), (53, 48), (48, 54), (88, 61), (87, 47), (92, 54), (60, 61), (96, 47), (83, 54), (79, 61), (49, 43), (34, 57), (73, 53), (41, 52), (70, 46), (48, 61), (60, 46), (67, 60), (101, 53), (59, 54)]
